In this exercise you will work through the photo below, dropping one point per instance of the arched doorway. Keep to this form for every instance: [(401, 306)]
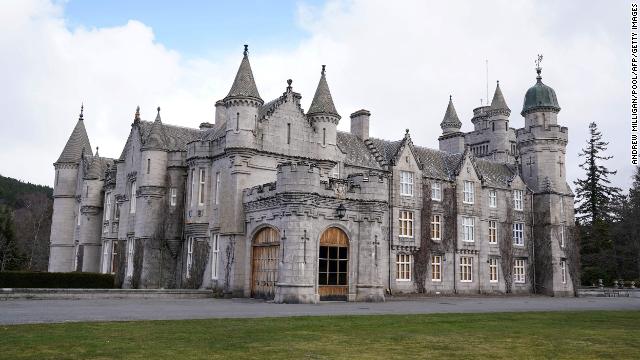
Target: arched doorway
[(333, 265), (264, 263)]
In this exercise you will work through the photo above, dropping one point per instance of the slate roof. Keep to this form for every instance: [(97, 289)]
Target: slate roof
[(357, 152), (97, 166), (495, 174), (438, 164), (322, 102), (386, 149), (157, 139), (450, 119), (176, 137), (244, 84), (215, 132), (498, 101), (77, 141)]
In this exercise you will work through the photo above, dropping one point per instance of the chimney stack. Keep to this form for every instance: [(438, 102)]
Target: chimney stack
[(360, 124)]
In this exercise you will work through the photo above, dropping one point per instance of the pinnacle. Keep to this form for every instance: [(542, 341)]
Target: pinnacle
[(322, 101)]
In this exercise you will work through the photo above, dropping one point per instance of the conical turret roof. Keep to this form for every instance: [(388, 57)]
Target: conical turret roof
[(78, 141), (244, 85), (322, 101), (156, 139), (450, 120), (498, 102)]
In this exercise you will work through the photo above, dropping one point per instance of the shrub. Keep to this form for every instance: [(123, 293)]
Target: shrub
[(72, 280)]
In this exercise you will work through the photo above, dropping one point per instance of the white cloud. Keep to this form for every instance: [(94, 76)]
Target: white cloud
[(401, 60)]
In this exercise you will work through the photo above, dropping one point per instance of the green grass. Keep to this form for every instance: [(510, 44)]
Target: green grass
[(582, 335)]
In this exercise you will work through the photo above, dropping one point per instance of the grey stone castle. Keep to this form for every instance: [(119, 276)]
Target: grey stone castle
[(274, 202)]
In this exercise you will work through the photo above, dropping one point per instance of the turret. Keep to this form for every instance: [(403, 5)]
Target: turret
[(498, 119), (242, 105), (323, 115), (452, 139), (65, 207)]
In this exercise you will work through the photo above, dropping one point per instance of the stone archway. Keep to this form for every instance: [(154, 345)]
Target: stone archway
[(264, 263), (333, 265)]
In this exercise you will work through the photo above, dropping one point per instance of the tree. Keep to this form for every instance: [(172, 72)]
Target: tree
[(33, 224), (596, 208), (10, 257), (626, 233)]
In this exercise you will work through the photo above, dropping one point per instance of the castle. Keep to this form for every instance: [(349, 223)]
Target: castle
[(274, 202)]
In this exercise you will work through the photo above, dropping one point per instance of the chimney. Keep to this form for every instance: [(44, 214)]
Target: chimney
[(220, 112), (360, 124), (205, 125)]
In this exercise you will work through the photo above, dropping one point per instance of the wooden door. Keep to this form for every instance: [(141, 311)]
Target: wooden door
[(333, 265), (264, 264)]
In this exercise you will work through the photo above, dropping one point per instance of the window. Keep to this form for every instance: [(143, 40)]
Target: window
[(202, 187), (192, 187), (190, 242), (237, 121), (436, 191), (86, 191), (466, 269), (215, 250), (436, 268), (324, 136), (79, 215), (436, 227), (288, 133), (116, 214), (493, 199), (406, 224), (173, 196), (107, 206), (467, 228), (130, 249), (406, 183), (493, 270), (518, 234), (148, 166), (518, 271), (57, 176), (403, 267), (132, 199), (105, 257), (562, 236), (518, 199), (468, 192), (334, 263), (114, 256), (493, 232), (336, 171), (217, 188), (563, 271)]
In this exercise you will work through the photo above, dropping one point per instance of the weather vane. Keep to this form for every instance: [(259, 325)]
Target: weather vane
[(538, 61)]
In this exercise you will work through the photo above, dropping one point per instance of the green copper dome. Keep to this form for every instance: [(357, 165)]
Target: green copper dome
[(540, 97)]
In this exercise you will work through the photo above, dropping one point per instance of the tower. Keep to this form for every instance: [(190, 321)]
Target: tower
[(498, 119), (242, 105), (542, 144), (323, 116), (66, 209), (452, 139)]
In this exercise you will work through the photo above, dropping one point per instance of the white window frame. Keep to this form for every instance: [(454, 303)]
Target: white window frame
[(436, 227), (519, 272), (518, 233), (403, 267), (562, 243), (405, 220), (436, 191), (518, 200), (192, 187), (466, 269), (190, 242), (202, 186), (468, 192), (107, 206), (79, 209), (493, 199), (335, 172), (563, 271), (406, 183), (215, 252), (468, 229), (173, 196), (436, 268), (114, 253), (217, 200), (105, 256), (131, 246), (132, 198), (493, 270), (493, 232)]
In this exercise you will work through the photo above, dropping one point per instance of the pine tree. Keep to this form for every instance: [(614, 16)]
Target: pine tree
[(597, 204), (594, 195), (10, 257)]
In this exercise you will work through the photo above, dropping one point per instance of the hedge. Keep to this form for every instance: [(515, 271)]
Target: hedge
[(70, 280)]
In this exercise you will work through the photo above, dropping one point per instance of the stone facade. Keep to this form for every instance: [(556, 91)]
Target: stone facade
[(272, 201)]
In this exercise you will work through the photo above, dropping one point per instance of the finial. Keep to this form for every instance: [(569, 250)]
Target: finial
[(450, 98), (81, 112), (246, 50), (158, 109), (97, 150), (538, 68), (406, 131), (136, 117), (497, 82), (289, 82), (323, 69)]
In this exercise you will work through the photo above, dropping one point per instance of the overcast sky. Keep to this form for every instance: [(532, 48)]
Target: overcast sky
[(399, 59)]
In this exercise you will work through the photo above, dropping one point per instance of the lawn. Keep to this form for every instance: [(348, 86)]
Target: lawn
[(597, 334)]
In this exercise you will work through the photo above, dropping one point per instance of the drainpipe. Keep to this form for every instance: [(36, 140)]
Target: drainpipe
[(533, 246), (390, 225)]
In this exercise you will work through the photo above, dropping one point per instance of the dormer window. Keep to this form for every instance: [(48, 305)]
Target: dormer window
[(468, 193), (436, 191), (518, 200), (406, 183)]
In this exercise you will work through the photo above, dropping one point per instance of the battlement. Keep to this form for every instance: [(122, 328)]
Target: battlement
[(542, 132)]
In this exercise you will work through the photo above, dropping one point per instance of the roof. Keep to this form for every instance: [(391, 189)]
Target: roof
[(176, 137), (450, 119), (156, 139), (244, 84), (540, 96), (78, 141), (96, 167), (495, 174), (498, 101), (357, 152), (438, 164), (322, 102)]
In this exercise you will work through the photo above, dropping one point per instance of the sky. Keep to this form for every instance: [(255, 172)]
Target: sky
[(398, 59)]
